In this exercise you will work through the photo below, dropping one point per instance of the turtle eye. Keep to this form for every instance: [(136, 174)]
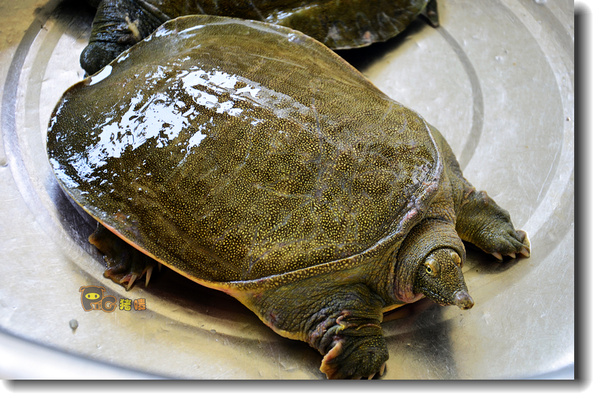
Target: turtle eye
[(431, 267), (456, 258)]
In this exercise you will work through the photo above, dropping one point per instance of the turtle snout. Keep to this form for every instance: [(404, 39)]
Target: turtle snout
[(463, 300)]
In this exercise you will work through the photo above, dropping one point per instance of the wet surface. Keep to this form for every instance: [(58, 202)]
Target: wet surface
[(496, 79)]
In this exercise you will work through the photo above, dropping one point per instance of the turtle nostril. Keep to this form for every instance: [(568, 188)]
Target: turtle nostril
[(463, 300)]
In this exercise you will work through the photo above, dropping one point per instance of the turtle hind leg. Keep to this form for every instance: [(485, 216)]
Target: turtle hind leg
[(124, 263), (482, 222)]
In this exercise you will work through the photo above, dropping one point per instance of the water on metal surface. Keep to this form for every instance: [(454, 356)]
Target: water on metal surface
[(497, 79)]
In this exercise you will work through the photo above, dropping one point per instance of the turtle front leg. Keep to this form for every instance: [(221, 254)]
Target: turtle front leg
[(341, 321), (124, 263), (118, 25), (353, 348), (482, 222)]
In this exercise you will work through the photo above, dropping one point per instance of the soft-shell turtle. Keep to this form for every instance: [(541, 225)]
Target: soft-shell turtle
[(252, 159), (119, 24)]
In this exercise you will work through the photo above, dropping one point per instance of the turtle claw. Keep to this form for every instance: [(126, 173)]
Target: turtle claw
[(124, 264), (526, 249), (379, 373), (129, 279), (519, 245), (148, 275), (430, 14), (355, 357)]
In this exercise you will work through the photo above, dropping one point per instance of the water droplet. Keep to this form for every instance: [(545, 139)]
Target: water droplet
[(540, 1)]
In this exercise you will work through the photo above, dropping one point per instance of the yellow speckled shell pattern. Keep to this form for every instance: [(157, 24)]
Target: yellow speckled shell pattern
[(337, 24), (233, 150)]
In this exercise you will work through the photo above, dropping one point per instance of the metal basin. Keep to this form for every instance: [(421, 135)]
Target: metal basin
[(497, 78)]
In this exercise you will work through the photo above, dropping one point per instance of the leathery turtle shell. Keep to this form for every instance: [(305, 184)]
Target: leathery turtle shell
[(119, 24), (238, 152), (338, 25)]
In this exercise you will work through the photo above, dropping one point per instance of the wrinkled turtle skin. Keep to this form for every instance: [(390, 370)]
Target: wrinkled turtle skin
[(119, 24), (252, 159)]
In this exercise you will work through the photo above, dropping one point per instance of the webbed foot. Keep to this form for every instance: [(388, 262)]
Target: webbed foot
[(430, 14), (356, 350), (97, 55), (482, 222), (124, 263), (518, 245), (118, 25), (355, 358)]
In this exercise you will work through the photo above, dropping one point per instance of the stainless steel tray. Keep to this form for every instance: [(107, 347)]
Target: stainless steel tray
[(497, 78)]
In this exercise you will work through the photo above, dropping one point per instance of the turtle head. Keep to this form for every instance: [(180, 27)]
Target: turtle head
[(439, 277)]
